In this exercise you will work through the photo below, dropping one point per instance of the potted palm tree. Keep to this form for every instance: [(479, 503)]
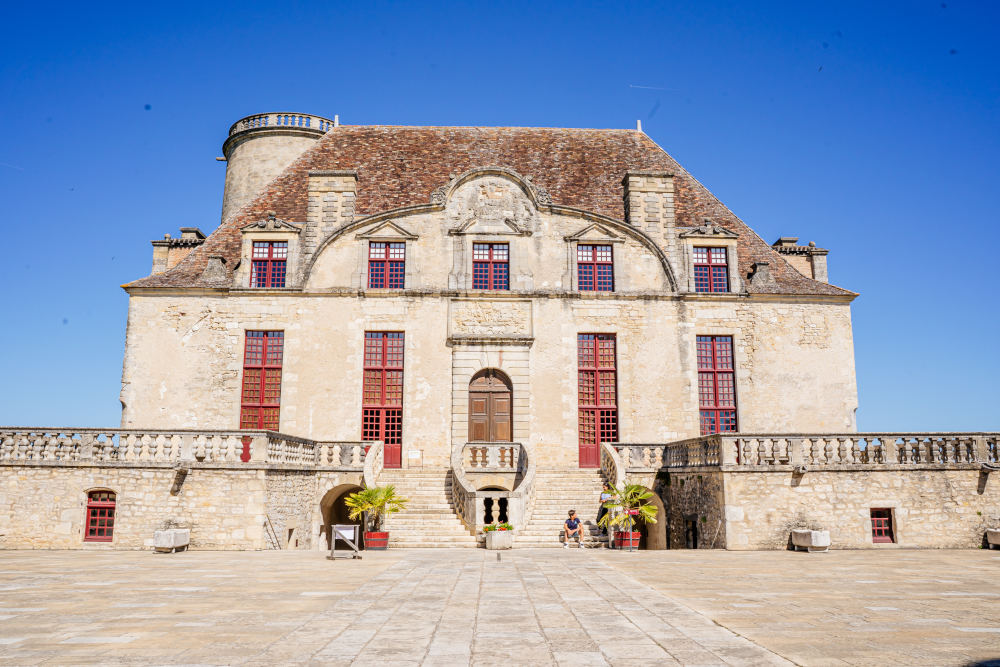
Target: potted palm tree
[(499, 536), (374, 504), (626, 508)]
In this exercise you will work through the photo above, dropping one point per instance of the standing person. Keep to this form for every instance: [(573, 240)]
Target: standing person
[(606, 495), (573, 528)]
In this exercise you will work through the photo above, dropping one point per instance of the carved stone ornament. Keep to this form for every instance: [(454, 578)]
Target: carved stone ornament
[(270, 224), (709, 230)]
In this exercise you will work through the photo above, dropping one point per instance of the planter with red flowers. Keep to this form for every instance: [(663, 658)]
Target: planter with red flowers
[(499, 536)]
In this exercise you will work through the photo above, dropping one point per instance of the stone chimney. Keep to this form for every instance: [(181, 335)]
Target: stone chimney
[(808, 259), (168, 252), (649, 205), (331, 204)]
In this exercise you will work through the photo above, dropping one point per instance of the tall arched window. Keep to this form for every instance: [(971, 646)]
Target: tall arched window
[(100, 525)]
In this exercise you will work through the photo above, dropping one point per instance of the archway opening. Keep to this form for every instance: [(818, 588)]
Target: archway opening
[(495, 507), (334, 511), (490, 407), (654, 535)]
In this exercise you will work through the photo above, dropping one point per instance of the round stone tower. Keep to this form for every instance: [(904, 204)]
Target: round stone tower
[(260, 147)]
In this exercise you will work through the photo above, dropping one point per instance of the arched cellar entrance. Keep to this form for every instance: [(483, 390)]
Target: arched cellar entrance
[(490, 404), (334, 511), (654, 535)]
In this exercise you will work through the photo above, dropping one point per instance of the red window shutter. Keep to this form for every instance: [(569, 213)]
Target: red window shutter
[(382, 393), (100, 520), (597, 381), (711, 270), (595, 268), (268, 263), (386, 265), (716, 384), (260, 398), (490, 267)]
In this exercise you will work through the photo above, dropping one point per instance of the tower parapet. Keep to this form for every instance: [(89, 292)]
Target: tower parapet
[(260, 147)]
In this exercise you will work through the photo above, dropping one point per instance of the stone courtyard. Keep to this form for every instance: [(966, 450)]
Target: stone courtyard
[(461, 607)]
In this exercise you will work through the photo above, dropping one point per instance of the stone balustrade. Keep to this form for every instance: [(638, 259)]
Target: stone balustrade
[(341, 454), (491, 456), (140, 446), (282, 119), (374, 463), (814, 450), (612, 465)]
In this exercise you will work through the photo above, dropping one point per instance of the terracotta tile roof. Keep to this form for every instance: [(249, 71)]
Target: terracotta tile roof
[(401, 166)]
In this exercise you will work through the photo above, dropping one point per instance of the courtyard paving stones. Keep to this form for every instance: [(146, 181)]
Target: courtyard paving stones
[(464, 607)]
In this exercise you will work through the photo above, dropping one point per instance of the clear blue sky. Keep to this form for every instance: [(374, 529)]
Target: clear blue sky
[(870, 128)]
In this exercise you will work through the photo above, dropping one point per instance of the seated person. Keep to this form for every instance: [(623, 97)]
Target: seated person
[(573, 528)]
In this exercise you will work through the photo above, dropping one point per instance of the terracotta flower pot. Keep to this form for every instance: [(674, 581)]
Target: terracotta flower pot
[(625, 539), (376, 541)]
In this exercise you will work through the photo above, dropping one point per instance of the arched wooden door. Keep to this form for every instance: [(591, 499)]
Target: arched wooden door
[(490, 415)]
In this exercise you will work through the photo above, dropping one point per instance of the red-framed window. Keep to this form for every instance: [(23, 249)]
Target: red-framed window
[(716, 384), (597, 380), (260, 399), (711, 270), (386, 264), (490, 268), (268, 264), (382, 393), (595, 268), (882, 526), (100, 517)]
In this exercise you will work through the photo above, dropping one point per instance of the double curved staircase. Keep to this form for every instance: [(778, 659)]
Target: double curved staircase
[(448, 506)]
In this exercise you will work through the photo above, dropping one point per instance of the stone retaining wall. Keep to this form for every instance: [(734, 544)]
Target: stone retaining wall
[(933, 506)]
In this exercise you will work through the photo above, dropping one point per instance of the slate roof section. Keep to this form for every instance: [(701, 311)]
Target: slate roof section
[(400, 166)]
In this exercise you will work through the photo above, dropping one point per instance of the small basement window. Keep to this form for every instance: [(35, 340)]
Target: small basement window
[(882, 526), (100, 516)]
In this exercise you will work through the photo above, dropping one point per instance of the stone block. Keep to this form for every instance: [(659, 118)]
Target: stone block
[(173, 539), (500, 539), (811, 540), (992, 538)]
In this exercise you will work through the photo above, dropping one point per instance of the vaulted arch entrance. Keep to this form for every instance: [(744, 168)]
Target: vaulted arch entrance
[(490, 417)]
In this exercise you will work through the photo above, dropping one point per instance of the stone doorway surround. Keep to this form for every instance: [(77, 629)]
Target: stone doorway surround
[(490, 333)]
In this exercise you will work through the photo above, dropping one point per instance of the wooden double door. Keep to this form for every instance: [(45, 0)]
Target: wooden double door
[(490, 407)]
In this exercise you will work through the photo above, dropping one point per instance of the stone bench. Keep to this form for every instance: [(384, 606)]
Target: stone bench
[(811, 540), (992, 538), (171, 540)]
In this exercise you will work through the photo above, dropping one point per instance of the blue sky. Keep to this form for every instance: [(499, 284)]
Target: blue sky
[(870, 128)]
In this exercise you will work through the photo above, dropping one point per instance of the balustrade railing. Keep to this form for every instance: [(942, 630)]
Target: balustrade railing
[(612, 465), (492, 457), (281, 119), (139, 446), (374, 463), (342, 454), (816, 450)]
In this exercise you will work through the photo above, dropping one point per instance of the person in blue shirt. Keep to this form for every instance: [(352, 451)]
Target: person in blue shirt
[(573, 528)]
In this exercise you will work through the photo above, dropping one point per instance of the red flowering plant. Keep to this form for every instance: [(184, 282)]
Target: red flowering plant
[(497, 526)]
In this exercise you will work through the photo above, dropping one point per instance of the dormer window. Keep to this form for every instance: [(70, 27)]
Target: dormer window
[(490, 268), (268, 255), (711, 270), (386, 265), (269, 260), (595, 268)]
